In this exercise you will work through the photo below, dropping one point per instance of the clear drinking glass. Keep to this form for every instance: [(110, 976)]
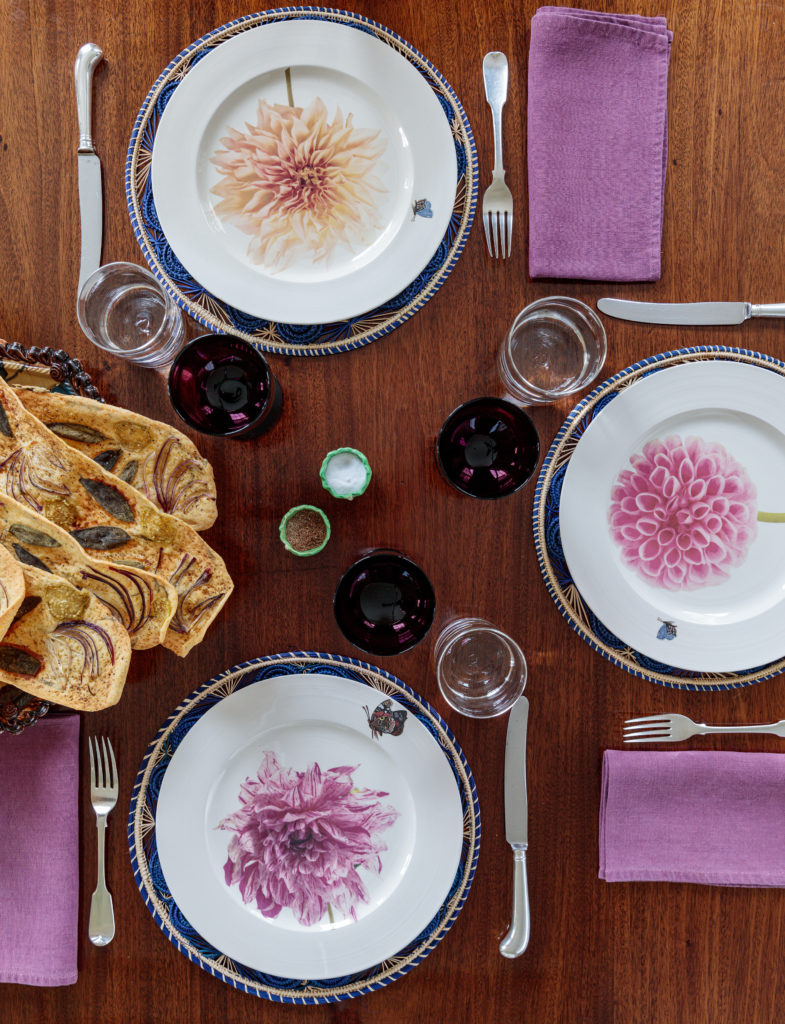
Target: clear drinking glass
[(480, 670), (555, 347), (124, 310)]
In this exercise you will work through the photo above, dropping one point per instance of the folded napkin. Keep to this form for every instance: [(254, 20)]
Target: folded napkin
[(597, 144), (693, 816), (39, 853)]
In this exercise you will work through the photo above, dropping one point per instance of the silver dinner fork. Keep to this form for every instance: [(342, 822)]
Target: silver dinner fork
[(497, 200), (103, 795), (674, 728)]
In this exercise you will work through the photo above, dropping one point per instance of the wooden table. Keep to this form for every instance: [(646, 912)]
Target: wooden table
[(598, 952)]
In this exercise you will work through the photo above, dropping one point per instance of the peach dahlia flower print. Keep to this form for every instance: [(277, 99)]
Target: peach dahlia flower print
[(684, 513), (300, 837), (298, 183)]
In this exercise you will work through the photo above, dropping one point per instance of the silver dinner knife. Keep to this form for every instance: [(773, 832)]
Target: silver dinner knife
[(516, 817), (687, 312), (90, 193)]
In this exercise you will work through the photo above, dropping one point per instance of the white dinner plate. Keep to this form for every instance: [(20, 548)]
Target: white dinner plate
[(391, 173), (281, 728), (690, 575)]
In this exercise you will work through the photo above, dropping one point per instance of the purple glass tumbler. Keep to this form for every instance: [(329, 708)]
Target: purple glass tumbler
[(384, 603), (222, 386)]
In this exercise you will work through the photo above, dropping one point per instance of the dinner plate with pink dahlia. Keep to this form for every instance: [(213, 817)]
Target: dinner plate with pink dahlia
[(672, 516)]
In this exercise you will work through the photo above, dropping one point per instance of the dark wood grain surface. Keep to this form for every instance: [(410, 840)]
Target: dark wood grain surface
[(599, 953)]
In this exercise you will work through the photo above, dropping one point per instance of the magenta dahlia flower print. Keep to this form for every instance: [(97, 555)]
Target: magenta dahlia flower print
[(301, 839), (684, 514), (300, 184)]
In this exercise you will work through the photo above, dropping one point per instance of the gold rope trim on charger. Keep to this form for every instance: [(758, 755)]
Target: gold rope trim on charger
[(572, 604), (141, 160), (143, 825)]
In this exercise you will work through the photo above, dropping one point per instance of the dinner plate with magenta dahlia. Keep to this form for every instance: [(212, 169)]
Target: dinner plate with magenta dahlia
[(672, 515)]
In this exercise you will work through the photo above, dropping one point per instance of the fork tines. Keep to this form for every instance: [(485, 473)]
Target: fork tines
[(648, 729), (103, 768), (498, 233)]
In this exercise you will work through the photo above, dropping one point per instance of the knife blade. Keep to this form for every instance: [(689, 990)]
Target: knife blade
[(90, 191), (516, 818), (684, 313)]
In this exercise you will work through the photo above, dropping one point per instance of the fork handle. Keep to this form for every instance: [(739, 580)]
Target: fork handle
[(773, 727), (101, 925), (495, 73)]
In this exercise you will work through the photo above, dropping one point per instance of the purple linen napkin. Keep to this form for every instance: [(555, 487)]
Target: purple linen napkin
[(597, 144), (713, 817), (39, 853)]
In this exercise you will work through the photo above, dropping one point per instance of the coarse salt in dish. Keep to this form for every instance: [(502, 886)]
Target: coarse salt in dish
[(345, 473)]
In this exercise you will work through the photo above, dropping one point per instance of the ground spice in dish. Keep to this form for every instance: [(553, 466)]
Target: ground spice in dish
[(305, 530)]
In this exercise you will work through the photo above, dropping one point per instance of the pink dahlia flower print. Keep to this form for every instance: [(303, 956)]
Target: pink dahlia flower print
[(300, 837), (684, 514), (299, 184)]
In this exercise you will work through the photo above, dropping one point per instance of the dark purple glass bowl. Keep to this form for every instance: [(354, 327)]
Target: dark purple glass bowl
[(488, 448), (223, 386), (384, 603)]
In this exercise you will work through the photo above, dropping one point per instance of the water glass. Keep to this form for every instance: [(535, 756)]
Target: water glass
[(123, 309), (481, 671), (555, 347), (223, 386)]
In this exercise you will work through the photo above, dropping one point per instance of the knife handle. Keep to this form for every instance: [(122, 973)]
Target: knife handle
[(771, 309), (86, 61), (517, 938)]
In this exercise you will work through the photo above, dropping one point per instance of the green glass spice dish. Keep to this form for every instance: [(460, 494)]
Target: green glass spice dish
[(345, 473), (304, 530)]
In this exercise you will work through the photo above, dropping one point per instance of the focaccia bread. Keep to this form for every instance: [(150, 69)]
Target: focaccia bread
[(155, 458), (12, 589), (65, 646), (110, 519), (142, 602)]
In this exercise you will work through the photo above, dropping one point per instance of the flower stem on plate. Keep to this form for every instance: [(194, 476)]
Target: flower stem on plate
[(771, 517)]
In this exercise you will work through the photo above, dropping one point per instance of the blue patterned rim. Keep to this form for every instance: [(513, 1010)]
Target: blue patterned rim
[(294, 339), (547, 534), (144, 853)]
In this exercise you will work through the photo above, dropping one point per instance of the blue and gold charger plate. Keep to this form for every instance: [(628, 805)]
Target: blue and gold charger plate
[(547, 532), (144, 851), (294, 339)]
